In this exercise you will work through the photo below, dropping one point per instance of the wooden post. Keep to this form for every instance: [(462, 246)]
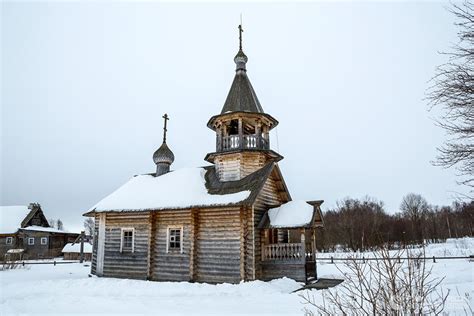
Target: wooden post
[(193, 255), (101, 245), (314, 254), (219, 139), (241, 134), (242, 242), (303, 245), (151, 244), (258, 133), (82, 248)]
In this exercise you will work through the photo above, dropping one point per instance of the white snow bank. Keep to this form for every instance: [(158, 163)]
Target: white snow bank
[(65, 289), (76, 248), (291, 214), (177, 189), (44, 229), (11, 218)]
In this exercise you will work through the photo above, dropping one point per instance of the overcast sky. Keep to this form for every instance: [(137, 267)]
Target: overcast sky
[(84, 86)]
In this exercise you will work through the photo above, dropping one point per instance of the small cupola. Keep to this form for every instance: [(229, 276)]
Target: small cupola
[(163, 156)]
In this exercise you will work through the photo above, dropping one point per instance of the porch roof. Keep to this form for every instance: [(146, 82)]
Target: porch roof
[(293, 214)]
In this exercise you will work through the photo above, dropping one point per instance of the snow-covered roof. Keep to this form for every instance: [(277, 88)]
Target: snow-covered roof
[(174, 190), (291, 214), (11, 218), (70, 247), (44, 229)]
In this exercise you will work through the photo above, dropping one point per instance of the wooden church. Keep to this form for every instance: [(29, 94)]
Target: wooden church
[(229, 222)]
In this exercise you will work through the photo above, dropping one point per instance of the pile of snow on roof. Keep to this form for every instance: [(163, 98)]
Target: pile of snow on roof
[(44, 229), (291, 214), (76, 248), (177, 189)]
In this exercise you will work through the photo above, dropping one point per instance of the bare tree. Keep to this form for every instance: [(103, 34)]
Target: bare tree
[(89, 226), (453, 92), (415, 207), (52, 222), (388, 286), (59, 224)]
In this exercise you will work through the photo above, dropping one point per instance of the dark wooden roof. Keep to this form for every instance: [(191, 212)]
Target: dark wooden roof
[(36, 211), (254, 182), (242, 96)]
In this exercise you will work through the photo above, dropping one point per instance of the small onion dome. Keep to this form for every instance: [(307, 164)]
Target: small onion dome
[(240, 60), (163, 155)]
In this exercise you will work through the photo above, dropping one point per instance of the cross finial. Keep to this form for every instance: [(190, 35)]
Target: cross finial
[(166, 118), (240, 35)]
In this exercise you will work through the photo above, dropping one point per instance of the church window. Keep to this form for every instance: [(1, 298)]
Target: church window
[(127, 241), (175, 239)]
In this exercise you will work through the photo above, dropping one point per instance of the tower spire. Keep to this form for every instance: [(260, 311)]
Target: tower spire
[(166, 118)]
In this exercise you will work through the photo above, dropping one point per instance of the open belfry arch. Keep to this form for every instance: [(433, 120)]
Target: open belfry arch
[(228, 222)]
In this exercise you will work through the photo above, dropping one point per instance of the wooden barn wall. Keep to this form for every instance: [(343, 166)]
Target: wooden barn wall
[(94, 244), (218, 246), (268, 196), (174, 265), (126, 264)]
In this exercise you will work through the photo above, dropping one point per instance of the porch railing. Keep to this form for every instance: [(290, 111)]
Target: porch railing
[(252, 141), (282, 252), (288, 251)]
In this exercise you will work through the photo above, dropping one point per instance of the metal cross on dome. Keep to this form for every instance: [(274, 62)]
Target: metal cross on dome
[(166, 118), (240, 36)]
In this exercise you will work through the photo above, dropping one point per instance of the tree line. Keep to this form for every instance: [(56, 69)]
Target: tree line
[(363, 224)]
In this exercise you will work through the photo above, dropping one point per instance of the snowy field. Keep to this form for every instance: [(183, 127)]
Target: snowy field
[(67, 289)]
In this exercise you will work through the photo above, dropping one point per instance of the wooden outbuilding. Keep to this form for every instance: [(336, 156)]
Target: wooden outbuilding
[(227, 222), (72, 251)]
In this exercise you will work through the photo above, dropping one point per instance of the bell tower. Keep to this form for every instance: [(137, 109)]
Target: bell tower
[(242, 129)]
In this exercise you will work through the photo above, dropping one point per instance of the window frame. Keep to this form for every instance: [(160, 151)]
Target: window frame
[(31, 241), (168, 236), (9, 239), (45, 239), (122, 235)]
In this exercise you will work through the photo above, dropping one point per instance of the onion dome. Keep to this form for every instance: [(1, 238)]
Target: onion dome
[(240, 60), (163, 155)]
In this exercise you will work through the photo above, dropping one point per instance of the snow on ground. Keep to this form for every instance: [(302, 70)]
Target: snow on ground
[(67, 289)]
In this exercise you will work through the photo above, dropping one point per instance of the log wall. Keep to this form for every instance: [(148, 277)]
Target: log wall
[(238, 165), (126, 264), (173, 265), (219, 246)]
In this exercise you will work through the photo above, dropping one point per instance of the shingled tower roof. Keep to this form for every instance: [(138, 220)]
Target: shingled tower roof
[(241, 97)]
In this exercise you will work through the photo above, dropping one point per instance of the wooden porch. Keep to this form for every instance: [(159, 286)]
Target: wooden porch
[(285, 257)]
